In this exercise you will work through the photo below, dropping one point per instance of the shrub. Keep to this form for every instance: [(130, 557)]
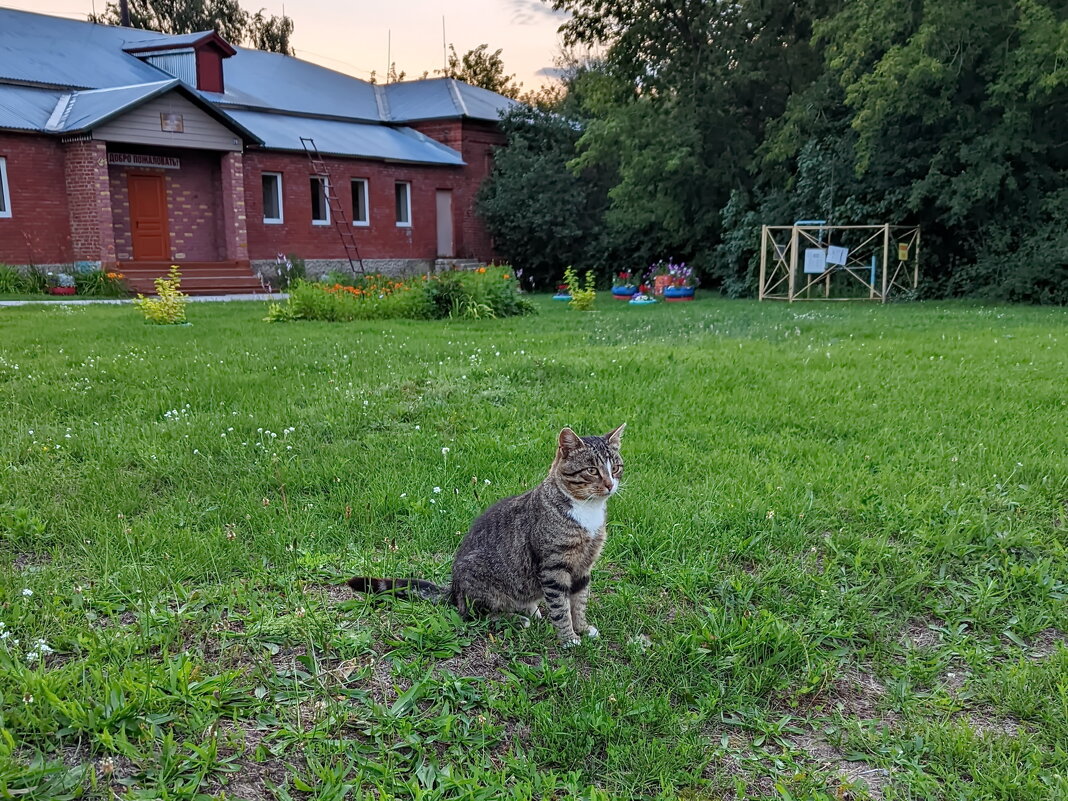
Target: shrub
[(35, 281), (169, 307), (101, 284), (12, 280), (581, 298), (483, 293), (291, 269)]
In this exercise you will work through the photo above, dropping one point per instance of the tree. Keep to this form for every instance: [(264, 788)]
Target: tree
[(479, 67), (225, 17)]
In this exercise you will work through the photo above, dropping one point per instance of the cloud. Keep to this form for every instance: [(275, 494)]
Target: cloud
[(529, 12), (550, 72)]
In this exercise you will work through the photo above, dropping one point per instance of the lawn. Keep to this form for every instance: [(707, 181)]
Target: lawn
[(837, 566)]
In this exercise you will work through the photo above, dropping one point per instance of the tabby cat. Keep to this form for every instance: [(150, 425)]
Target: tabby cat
[(538, 545)]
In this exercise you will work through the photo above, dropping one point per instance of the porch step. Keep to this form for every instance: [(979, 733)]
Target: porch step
[(198, 278)]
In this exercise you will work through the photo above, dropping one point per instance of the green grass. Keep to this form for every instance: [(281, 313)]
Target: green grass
[(838, 559)]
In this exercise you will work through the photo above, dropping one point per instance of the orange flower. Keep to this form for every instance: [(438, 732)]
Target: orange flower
[(481, 270), (506, 276)]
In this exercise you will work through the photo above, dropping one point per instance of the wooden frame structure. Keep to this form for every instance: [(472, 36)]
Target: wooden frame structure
[(876, 256)]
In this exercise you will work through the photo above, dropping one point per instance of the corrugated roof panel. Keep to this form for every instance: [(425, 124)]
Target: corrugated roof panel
[(88, 108), (25, 108), (337, 137), (482, 104), (271, 80), (66, 52), (63, 52)]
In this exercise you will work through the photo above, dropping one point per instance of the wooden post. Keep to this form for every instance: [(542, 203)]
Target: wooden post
[(793, 262), (886, 258), (763, 260), (916, 262)]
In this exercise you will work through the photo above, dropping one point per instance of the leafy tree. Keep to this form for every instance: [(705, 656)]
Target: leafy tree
[(479, 67), (543, 216), (225, 17)]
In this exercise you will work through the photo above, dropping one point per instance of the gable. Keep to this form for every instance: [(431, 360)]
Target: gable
[(146, 123)]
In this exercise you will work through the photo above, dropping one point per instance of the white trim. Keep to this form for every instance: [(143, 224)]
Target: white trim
[(365, 223), (326, 198), (281, 218), (5, 193), (408, 196)]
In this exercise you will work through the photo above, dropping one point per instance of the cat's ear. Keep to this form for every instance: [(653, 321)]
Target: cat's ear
[(569, 441), (615, 436)]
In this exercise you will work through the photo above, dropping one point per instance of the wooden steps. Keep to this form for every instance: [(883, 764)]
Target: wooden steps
[(198, 277)]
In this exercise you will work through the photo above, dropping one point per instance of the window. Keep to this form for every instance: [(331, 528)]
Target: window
[(272, 197), (320, 208), (360, 215), (5, 196), (404, 204)]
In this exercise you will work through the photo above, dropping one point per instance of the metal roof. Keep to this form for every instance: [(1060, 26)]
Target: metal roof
[(61, 56), (343, 138), (177, 42), (26, 108)]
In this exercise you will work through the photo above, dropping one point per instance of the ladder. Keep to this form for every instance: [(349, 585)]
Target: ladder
[(337, 212)]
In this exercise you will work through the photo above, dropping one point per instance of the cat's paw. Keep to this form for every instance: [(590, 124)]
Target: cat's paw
[(570, 643), (537, 613), (524, 621), (592, 632)]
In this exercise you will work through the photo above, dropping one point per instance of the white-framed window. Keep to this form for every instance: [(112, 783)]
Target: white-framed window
[(272, 198), (5, 195), (320, 206), (403, 193), (360, 208)]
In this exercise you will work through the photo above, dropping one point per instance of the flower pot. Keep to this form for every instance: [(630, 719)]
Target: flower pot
[(643, 300), (561, 296), (674, 294), (624, 292), (62, 290)]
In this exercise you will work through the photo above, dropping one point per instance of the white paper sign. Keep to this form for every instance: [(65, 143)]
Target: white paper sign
[(837, 255), (815, 260)]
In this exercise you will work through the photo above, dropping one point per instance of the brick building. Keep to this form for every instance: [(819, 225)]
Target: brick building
[(129, 149)]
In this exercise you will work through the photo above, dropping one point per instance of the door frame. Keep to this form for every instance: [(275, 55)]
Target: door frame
[(165, 221)]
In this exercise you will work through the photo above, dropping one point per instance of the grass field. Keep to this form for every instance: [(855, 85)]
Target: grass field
[(837, 565)]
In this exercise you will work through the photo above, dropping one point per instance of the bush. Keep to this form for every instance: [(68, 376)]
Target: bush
[(101, 284), (483, 293), (169, 307), (581, 298), (11, 280)]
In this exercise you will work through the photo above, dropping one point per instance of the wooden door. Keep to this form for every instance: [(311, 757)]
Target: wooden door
[(446, 249), (148, 218)]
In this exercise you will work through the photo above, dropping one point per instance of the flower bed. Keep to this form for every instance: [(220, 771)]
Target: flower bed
[(471, 294)]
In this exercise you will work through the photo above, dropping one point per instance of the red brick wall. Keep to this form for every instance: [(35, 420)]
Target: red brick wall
[(480, 139), (194, 210), (383, 239), (38, 231)]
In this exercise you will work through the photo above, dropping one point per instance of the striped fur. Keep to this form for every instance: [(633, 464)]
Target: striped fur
[(536, 547)]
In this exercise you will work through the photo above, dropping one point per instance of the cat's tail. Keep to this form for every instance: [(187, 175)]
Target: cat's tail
[(402, 588)]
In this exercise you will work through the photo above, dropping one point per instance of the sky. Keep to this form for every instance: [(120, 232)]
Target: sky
[(355, 36)]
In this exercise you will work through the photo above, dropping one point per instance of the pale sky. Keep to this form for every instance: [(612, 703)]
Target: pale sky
[(353, 36)]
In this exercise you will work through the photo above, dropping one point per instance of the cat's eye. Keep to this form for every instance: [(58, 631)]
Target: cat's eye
[(591, 471)]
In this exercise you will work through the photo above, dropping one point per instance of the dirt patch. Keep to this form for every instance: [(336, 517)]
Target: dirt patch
[(478, 660), (110, 769), (986, 722), (333, 593), (31, 562), (252, 779), (1045, 643), (856, 693), (921, 633), (850, 774)]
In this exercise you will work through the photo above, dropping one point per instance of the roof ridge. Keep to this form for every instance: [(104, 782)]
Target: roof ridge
[(458, 98), (60, 112), (382, 100)]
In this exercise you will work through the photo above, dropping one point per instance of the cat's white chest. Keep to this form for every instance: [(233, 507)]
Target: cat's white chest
[(589, 514)]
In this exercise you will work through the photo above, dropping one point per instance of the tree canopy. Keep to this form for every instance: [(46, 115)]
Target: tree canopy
[(706, 119), (225, 17)]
